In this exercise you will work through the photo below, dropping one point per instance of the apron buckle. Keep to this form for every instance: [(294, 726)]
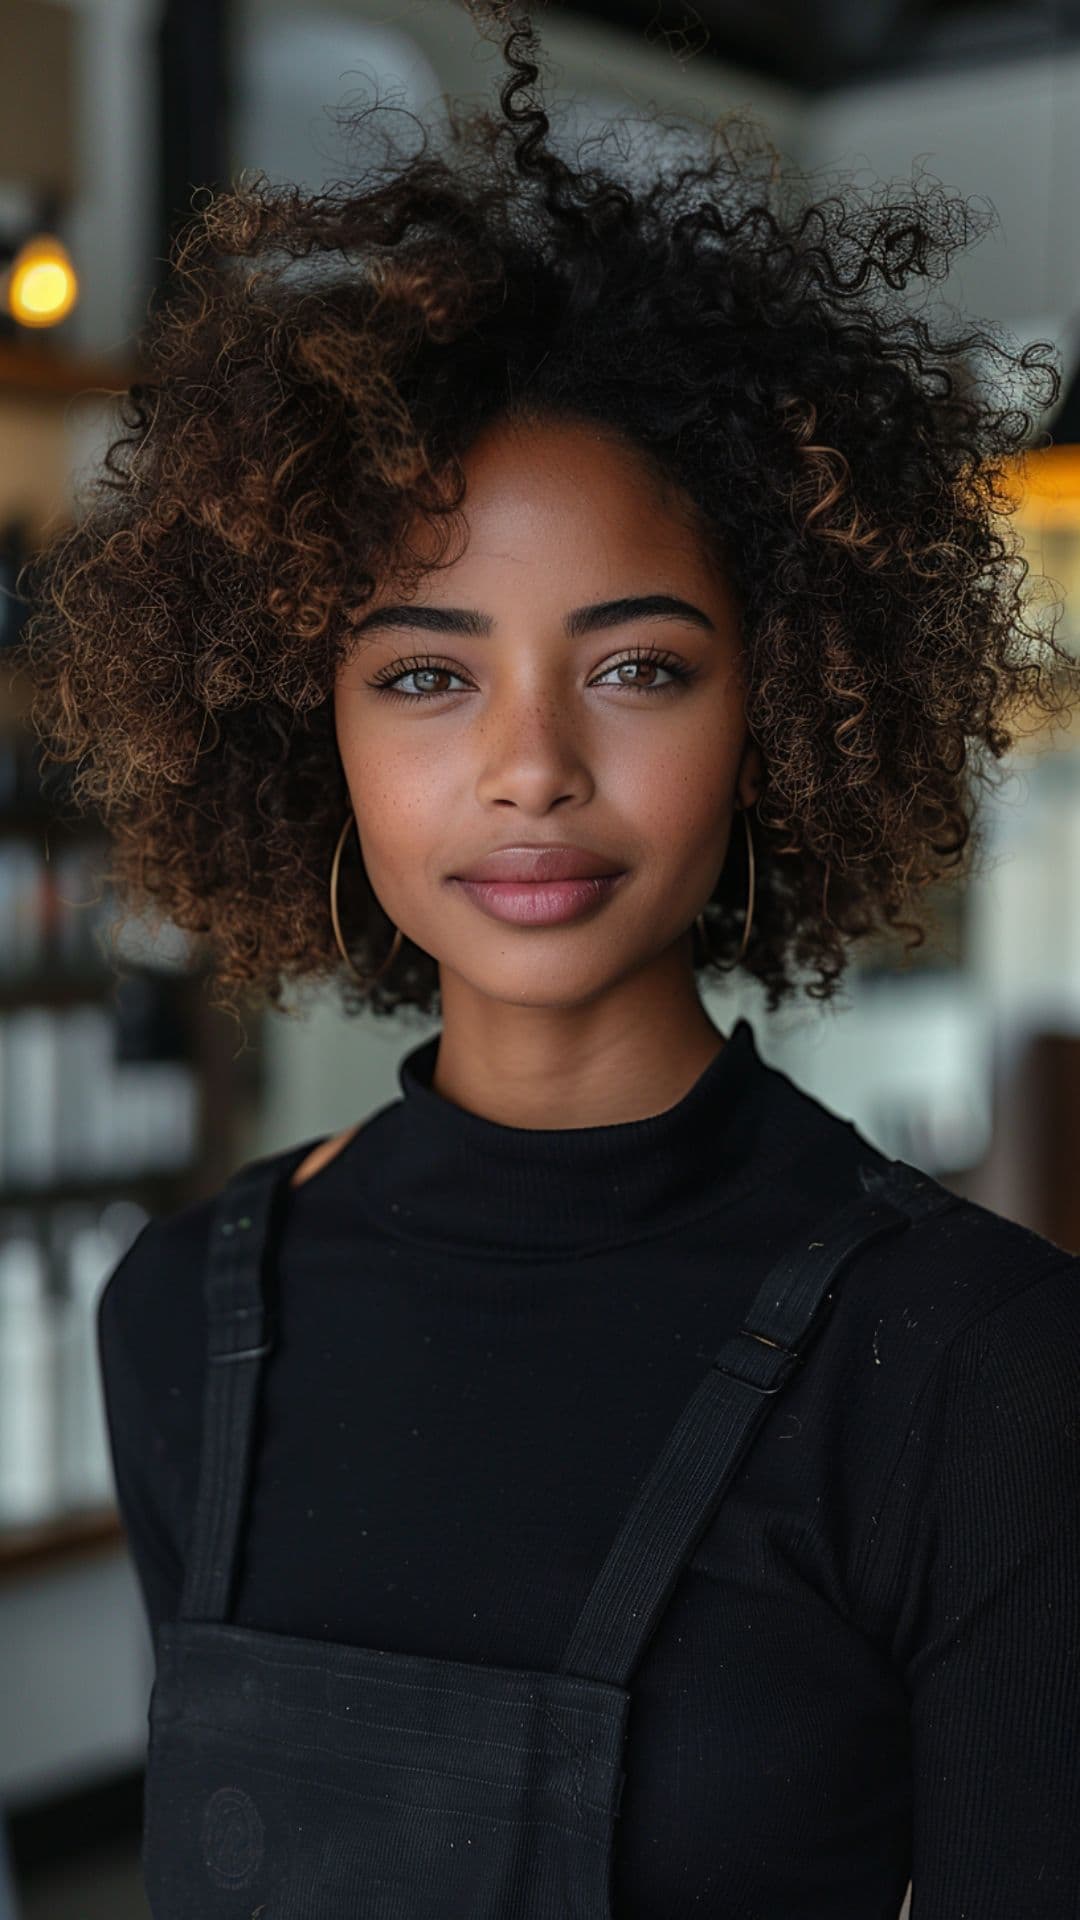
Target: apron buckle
[(732, 1350)]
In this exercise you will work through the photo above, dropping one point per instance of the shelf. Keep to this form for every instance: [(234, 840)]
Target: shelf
[(43, 988), (163, 1185), (58, 376), (50, 1543), (34, 820), (52, 984)]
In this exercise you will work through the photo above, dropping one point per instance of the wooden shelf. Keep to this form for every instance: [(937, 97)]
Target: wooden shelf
[(156, 1186), (33, 821), (54, 987), (51, 1542), (57, 376)]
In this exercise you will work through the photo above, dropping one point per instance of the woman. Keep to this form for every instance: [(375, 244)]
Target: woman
[(601, 1483)]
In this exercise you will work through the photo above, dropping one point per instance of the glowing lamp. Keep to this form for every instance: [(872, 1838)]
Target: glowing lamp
[(42, 283)]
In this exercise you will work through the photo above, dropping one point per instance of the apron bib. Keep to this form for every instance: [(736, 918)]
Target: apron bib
[(297, 1779)]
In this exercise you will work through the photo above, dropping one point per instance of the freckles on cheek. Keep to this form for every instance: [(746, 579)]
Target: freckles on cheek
[(672, 792), (403, 801), (696, 806)]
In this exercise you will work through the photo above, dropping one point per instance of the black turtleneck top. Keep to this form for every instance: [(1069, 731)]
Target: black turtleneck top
[(869, 1672)]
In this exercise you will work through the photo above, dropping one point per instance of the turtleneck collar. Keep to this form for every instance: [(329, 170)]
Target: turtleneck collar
[(431, 1171)]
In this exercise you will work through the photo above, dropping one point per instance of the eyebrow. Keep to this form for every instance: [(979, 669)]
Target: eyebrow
[(468, 623)]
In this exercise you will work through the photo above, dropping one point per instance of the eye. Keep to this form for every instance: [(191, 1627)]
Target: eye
[(387, 680), (680, 675)]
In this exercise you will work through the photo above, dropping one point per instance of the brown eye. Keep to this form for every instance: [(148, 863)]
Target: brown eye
[(680, 674), (389, 679)]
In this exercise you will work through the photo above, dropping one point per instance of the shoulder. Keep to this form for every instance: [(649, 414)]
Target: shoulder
[(953, 1281), (963, 1259), (954, 1339), (978, 1312), (958, 1267), (982, 1476), (321, 1154), (153, 1299)]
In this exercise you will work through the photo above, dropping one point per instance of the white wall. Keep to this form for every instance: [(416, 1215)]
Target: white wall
[(429, 46), (1009, 133), (111, 227)]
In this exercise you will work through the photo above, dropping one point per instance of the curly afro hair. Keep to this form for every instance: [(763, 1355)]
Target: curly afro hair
[(314, 372)]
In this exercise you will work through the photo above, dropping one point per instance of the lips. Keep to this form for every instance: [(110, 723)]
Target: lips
[(532, 865)]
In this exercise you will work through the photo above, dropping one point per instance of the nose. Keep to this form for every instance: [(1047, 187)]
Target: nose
[(531, 749)]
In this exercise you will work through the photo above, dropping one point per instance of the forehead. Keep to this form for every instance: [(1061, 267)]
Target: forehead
[(563, 498), (513, 465)]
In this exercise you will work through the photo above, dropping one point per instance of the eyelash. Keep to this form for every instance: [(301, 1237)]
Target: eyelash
[(384, 682)]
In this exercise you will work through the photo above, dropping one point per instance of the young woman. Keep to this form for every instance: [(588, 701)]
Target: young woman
[(602, 1483)]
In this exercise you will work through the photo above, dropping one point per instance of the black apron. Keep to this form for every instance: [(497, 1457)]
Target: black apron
[(297, 1779)]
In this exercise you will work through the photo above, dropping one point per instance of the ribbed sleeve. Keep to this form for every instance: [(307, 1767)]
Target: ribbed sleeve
[(143, 1474), (979, 1539)]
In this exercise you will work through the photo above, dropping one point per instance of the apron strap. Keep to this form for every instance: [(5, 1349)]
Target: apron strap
[(240, 1334), (683, 1488)]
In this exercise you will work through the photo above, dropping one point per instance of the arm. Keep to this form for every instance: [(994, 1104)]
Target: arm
[(139, 1459), (986, 1501)]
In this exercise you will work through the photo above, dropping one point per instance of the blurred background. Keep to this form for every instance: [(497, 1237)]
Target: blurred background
[(121, 1093)]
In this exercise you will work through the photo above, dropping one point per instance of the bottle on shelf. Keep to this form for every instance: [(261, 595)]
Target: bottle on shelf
[(54, 1440), (87, 1246), (29, 1452)]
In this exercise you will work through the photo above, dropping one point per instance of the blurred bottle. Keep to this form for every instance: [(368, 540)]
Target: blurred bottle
[(80, 906), (20, 918), (50, 908), (87, 1248), (29, 1455), (32, 1094), (86, 1148), (96, 1090)]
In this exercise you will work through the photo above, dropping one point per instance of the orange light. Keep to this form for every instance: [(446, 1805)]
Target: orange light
[(42, 283), (1052, 478)]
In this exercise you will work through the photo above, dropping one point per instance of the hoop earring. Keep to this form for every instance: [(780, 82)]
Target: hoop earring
[(369, 979), (730, 965)]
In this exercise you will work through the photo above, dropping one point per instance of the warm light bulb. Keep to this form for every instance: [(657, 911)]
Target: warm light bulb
[(42, 285)]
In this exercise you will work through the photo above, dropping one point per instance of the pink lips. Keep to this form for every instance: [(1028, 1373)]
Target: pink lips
[(535, 860), (538, 884), (539, 903)]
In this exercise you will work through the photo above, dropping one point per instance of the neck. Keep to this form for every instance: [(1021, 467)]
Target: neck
[(625, 1057)]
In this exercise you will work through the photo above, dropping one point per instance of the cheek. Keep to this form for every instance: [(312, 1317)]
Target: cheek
[(400, 801), (678, 791)]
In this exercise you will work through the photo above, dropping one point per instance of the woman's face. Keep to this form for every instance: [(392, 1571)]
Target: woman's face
[(517, 726)]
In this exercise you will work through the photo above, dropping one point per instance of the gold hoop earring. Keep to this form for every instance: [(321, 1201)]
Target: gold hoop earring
[(730, 965), (369, 979)]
